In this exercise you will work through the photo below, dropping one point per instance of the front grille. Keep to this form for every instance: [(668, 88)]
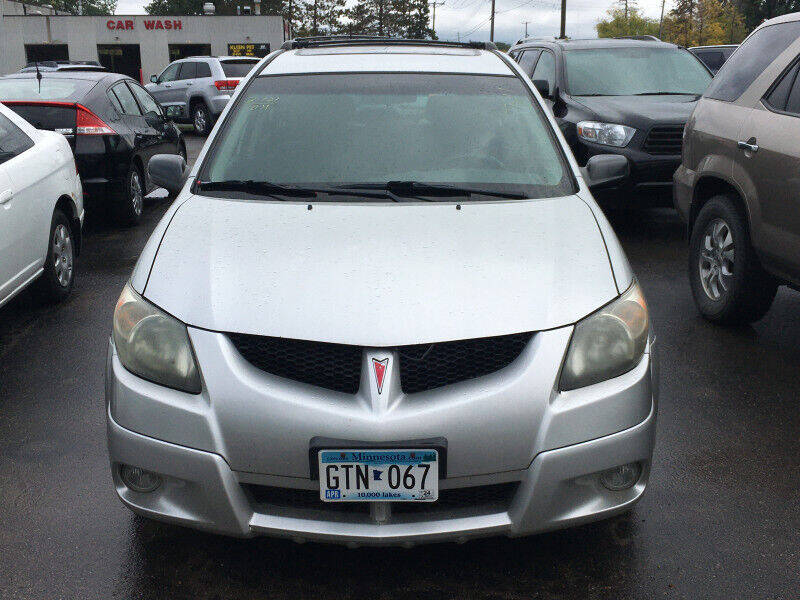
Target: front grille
[(665, 139), (338, 366), (484, 499), (428, 366), (331, 366)]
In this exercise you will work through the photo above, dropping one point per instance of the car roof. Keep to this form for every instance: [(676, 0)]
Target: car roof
[(91, 75), (372, 57), (570, 44), (714, 46)]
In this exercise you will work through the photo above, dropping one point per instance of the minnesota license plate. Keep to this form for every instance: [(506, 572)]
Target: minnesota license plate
[(378, 475)]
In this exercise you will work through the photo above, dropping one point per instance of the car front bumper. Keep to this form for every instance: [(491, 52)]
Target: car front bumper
[(558, 487)]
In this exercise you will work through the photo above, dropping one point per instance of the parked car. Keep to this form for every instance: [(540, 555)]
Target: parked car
[(714, 56), (737, 187), (41, 210), (195, 90), (113, 125), (409, 320), (62, 65), (620, 96)]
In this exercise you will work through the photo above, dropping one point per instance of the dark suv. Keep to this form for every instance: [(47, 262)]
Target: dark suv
[(619, 96)]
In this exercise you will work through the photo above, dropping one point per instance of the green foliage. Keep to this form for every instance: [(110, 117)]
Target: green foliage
[(620, 22), (175, 7), (90, 7)]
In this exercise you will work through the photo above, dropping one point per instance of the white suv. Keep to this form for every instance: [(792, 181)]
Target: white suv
[(195, 90)]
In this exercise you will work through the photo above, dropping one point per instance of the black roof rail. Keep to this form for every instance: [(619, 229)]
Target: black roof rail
[(369, 40), (642, 38)]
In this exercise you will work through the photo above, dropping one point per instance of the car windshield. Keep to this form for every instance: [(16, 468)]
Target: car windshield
[(237, 68), (634, 71), (373, 129), (18, 88)]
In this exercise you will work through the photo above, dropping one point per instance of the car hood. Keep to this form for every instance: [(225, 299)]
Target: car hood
[(376, 274), (640, 111)]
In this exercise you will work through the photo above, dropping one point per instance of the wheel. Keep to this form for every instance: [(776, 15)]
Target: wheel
[(201, 118), (130, 200), (182, 150), (58, 277), (728, 282)]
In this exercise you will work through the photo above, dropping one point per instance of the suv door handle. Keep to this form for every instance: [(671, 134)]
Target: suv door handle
[(5, 196), (749, 145)]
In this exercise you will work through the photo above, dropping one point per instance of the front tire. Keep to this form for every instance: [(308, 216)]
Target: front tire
[(130, 201), (728, 282), (201, 118), (58, 277)]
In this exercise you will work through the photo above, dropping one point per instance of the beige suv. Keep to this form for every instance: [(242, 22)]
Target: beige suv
[(738, 186)]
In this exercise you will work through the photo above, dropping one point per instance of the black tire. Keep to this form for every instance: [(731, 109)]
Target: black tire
[(182, 150), (201, 118), (728, 282), (129, 204), (58, 278)]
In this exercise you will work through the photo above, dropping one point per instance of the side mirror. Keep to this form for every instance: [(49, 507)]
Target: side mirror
[(605, 170), (168, 171), (543, 87), (154, 78)]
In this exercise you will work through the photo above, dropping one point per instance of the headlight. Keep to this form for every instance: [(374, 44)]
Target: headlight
[(607, 343), (153, 344), (608, 134)]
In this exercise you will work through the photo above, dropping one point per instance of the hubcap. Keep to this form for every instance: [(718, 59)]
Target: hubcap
[(716, 259), (62, 255), (200, 119), (137, 199)]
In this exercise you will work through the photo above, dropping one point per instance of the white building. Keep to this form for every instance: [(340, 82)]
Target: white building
[(135, 45)]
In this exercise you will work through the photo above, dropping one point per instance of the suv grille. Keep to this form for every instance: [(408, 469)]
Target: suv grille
[(666, 139), (338, 366)]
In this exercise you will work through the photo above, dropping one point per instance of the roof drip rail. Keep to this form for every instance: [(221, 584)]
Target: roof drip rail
[(642, 38), (367, 40)]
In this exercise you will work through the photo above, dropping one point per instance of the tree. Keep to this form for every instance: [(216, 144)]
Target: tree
[(705, 22), (756, 12), (89, 7), (625, 18)]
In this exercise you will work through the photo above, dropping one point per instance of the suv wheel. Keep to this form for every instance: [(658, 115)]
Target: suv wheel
[(130, 201), (58, 277), (728, 282), (201, 118)]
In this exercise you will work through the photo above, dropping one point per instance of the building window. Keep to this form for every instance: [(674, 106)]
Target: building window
[(43, 52), (179, 51)]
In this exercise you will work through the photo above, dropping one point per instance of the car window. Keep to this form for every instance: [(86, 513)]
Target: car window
[(546, 68), (793, 102), (237, 68), (188, 70), (528, 59), (635, 70), (342, 129), (750, 60), (13, 140), (112, 97), (61, 89), (126, 99), (203, 70), (170, 73), (146, 101), (713, 59), (779, 94)]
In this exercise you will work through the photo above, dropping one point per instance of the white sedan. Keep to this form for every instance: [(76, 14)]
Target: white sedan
[(41, 210)]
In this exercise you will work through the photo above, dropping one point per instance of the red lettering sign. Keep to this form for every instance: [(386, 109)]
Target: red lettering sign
[(120, 24)]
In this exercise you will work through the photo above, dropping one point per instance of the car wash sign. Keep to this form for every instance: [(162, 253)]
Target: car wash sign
[(130, 24)]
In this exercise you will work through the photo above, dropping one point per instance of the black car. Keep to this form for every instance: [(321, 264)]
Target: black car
[(619, 96), (112, 123), (714, 56)]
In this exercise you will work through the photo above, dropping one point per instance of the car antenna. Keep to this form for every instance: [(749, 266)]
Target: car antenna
[(38, 76)]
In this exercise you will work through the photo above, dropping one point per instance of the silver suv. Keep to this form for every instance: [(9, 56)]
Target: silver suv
[(196, 89)]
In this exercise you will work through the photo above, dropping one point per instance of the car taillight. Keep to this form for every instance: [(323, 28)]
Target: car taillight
[(226, 85), (88, 123)]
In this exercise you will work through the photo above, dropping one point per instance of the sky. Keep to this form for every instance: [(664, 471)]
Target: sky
[(470, 18)]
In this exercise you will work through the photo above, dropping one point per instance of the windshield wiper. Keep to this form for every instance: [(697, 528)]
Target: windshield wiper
[(411, 189), (274, 190), (667, 94)]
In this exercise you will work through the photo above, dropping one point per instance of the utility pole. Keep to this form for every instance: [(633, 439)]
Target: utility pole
[(433, 26), (526, 27), (563, 19), (491, 30), (661, 22)]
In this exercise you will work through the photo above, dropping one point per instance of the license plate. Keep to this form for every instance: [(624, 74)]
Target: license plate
[(378, 475)]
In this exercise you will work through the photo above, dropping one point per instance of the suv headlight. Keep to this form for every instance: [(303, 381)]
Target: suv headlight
[(608, 134), (154, 345), (607, 343)]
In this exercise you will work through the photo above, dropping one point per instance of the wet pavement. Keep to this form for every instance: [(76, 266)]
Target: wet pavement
[(721, 518)]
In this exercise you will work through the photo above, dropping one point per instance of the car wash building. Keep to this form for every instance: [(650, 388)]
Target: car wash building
[(136, 45)]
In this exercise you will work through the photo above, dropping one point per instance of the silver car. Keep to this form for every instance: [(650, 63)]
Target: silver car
[(384, 309), (195, 90)]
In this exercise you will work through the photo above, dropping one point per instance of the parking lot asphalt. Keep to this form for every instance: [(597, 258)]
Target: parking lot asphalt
[(721, 518)]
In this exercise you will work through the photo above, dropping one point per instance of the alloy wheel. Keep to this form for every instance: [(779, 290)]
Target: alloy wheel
[(200, 119), (136, 195), (716, 259), (62, 255)]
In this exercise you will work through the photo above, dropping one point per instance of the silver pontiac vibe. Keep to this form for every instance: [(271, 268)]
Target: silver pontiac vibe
[(383, 309)]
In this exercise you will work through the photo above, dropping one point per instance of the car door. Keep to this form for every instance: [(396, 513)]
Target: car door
[(158, 134), (527, 60), (769, 141), (163, 89), (22, 244), (184, 86), (545, 70)]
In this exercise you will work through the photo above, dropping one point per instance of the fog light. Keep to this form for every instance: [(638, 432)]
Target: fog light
[(622, 477), (138, 479)]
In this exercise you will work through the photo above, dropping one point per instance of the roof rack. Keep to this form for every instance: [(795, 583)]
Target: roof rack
[(370, 40), (643, 38)]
